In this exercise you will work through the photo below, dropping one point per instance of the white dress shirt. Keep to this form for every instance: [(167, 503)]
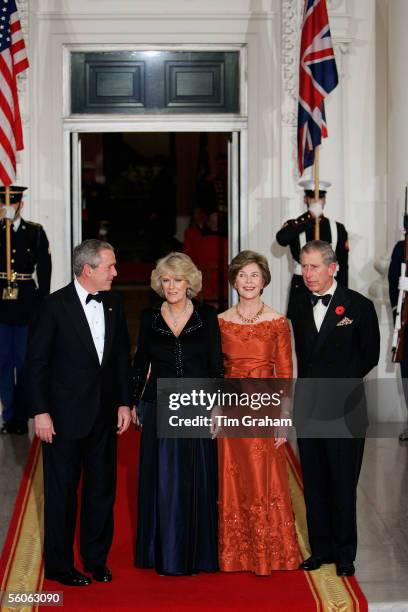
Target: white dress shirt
[(96, 318), (319, 311), (16, 224)]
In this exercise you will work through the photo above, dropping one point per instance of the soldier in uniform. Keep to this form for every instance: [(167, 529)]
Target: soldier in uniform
[(29, 253), (295, 233), (394, 273)]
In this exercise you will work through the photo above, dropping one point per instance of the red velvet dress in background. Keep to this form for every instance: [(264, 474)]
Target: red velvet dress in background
[(256, 523)]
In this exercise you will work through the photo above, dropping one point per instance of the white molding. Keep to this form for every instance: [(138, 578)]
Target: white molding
[(136, 16), (95, 47), (154, 123), (23, 12), (67, 174), (290, 30)]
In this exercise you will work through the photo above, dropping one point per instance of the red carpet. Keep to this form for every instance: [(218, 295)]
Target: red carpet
[(133, 589)]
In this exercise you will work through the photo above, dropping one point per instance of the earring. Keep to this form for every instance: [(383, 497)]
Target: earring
[(189, 293)]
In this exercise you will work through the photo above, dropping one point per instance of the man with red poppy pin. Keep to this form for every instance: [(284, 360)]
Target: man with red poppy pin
[(337, 340)]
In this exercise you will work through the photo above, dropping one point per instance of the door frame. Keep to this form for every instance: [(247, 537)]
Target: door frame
[(74, 126)]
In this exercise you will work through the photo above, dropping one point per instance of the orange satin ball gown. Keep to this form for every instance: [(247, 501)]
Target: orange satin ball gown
[(256, 523)]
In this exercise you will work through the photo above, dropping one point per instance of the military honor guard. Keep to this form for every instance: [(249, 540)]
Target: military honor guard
[(395, 276), (24, 254), (314, 225)]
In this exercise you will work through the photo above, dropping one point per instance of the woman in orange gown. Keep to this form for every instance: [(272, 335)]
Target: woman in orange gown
[(256, 523)]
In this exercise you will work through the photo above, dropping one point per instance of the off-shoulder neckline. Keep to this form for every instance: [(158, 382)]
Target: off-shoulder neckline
[(282, 318)]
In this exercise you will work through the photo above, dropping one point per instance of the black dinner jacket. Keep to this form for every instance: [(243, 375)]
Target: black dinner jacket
[(64, 376), (337, 351)]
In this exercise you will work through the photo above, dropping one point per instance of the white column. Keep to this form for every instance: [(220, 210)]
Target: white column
[(397, 142), (397, 109)]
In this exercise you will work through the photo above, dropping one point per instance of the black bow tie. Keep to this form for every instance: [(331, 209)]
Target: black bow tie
[(325, 299), (97, 297)]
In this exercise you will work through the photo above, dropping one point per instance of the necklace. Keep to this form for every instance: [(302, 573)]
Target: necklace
[(250, 320), (175, 319)]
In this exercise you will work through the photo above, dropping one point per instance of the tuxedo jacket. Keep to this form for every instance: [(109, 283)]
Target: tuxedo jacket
[(64, 376), (348, 343), (333, 362)]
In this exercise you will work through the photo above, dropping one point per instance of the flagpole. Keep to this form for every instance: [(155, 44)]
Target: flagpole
[(316, 190), (9, 292), (8, 240)]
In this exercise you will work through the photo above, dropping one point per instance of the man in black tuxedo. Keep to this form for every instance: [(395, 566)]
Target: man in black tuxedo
[(337, 337), (80, 395)]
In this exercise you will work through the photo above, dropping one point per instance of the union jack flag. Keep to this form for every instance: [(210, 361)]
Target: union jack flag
[(317, 78), (13, 60)]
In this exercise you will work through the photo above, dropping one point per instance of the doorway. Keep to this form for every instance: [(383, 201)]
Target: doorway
[(149, 193)]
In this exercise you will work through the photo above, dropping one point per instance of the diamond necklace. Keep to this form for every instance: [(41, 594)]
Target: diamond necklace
[(175, 319), (250, 320)]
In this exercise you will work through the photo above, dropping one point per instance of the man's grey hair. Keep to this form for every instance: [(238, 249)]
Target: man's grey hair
[(88, 252), (328, 255)]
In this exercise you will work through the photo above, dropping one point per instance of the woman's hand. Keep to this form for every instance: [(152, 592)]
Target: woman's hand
[(280, 442), (135, 418)]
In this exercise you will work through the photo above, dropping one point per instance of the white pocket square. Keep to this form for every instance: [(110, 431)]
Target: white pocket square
[(344, 321)]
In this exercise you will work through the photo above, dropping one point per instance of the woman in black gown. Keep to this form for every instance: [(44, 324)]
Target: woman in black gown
[(177, 512)]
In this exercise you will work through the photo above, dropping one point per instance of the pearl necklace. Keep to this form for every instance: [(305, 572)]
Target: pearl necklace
[(250, 320), (175, 319)]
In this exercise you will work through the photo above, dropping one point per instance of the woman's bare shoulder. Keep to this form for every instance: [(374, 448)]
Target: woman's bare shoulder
[(227, 315), (270, 314)]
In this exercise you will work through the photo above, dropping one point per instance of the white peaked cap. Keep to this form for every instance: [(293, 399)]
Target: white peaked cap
[(309, 185)]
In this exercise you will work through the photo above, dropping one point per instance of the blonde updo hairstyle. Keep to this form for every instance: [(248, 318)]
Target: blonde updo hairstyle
[(177, 264), (243, 259)]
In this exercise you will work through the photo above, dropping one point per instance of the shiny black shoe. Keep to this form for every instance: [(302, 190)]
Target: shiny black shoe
[(69, 578), (100, 574), (314, 562), (21, 428), (345, 569), (14, 427)]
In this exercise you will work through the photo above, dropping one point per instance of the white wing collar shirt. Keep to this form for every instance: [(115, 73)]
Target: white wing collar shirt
[(96, 318), (320, 310)]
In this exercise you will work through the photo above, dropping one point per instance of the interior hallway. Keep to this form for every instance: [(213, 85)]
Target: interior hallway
[(382, 561)]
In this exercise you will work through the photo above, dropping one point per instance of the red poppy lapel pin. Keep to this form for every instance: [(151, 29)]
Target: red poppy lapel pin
[(340, 310)]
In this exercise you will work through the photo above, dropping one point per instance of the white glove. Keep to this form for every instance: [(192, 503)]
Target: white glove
[(316, 208), (403, 283), (8, 212)]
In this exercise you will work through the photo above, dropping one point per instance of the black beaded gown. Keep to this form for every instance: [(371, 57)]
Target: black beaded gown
[(177, 493)]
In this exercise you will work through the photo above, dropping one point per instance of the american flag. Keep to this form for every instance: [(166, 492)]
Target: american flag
[(13, 60), (317, 78)]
